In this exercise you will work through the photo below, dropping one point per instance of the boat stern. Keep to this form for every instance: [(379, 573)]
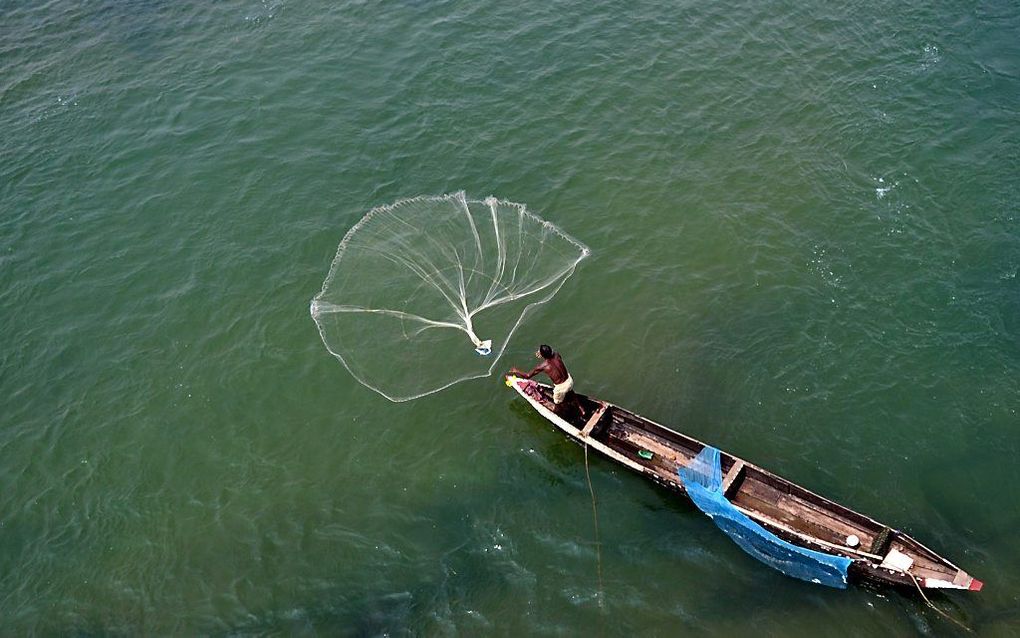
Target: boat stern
[(516, 383), (963, 580), (525, 387)]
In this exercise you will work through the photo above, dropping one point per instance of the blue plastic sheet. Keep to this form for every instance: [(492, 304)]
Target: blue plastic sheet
[(702, 478)]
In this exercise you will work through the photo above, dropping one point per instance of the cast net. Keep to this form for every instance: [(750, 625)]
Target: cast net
[(702, 478), (427, 292)]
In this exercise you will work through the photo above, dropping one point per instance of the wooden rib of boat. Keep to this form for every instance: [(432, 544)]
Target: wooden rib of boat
[(882, 555)]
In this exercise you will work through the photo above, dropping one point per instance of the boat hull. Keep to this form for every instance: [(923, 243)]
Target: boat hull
[(883, 555)]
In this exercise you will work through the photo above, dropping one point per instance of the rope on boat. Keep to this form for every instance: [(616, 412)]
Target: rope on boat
[(595, 517), (914, 579)]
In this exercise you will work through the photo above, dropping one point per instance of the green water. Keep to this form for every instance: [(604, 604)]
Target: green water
[(806, 242)]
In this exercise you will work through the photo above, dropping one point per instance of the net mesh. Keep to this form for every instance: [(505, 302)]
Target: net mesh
[(702, 478), (419, 289)]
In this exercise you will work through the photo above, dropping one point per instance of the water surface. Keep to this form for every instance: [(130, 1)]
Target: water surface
[(805, 240)]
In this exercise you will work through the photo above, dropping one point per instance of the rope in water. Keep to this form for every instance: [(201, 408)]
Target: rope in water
[(595, 517), (914, 579)]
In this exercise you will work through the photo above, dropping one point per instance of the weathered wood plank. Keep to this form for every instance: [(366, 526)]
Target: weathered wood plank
[(594, 420), (814, 539), (731, 477)]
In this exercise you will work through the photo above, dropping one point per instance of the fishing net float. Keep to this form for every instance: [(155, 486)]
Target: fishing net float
[(415, 283)]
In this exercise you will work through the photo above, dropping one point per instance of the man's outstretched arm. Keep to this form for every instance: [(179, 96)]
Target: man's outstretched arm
[(527, 375)]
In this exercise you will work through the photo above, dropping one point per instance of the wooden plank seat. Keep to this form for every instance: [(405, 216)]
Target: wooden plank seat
[(594, 420)]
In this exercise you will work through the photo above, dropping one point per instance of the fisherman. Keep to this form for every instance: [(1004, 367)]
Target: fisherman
[(553, 366)]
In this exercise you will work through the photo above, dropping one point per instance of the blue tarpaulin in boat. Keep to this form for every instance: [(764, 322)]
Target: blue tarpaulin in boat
[(702, 478)]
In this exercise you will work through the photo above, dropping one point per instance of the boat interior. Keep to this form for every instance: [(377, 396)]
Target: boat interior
[(788, 510)]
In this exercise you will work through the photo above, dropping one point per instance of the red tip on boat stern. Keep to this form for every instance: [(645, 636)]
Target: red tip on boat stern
[(963, 580)]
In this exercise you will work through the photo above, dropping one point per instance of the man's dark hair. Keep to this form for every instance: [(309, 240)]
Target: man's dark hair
[(545, 351)]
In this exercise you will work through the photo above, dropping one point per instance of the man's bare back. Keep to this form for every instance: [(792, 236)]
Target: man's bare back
[(552, 366)]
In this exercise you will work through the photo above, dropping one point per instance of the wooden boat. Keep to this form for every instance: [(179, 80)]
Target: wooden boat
[(801, 517)]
